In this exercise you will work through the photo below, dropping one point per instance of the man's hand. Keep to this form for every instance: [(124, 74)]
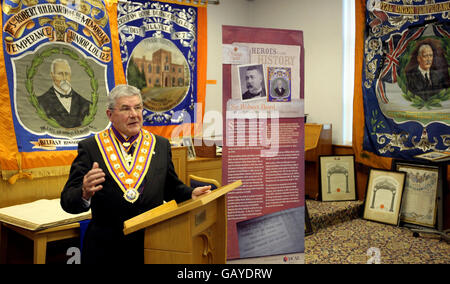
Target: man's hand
[(200, 191), (92, 181)]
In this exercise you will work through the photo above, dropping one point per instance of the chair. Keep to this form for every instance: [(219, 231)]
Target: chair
[(195, 181)]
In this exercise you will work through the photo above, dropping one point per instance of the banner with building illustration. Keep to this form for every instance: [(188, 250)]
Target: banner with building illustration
[(58, 70), (405, 78), (159, 46)]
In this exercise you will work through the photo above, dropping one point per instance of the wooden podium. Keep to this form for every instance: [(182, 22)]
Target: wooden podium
[(318, 142), (192, 232)]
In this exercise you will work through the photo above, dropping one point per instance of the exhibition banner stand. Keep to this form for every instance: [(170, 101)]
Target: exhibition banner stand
[(263, 87)]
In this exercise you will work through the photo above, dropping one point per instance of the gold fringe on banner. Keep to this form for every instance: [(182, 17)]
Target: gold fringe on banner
[(13, 176), (20, 174)]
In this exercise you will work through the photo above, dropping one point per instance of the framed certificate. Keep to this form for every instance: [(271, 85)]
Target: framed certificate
[(419, 203), (337, 176), (383, 196)]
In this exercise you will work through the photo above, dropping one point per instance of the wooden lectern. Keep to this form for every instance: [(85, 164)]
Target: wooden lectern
[(318, 142), (192, 232)]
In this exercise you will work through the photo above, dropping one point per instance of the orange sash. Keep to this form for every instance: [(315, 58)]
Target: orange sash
[(128, 171)]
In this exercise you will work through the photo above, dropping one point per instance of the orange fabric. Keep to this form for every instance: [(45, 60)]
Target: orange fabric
[(8, 146), (361, 156), (119, 74)]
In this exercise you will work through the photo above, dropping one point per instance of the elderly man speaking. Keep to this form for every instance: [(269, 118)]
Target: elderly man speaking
[(119, 174)]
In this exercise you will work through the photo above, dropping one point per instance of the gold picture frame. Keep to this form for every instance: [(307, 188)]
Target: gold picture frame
[(383, 196), (337, 178), (420, 196)]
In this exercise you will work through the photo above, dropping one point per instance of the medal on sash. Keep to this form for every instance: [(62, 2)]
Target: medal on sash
[(128, 176)]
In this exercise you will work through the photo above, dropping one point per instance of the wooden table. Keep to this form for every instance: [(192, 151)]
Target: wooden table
[(40, 238)]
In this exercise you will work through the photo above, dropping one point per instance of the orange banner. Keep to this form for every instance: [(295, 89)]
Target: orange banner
[(46, 161)]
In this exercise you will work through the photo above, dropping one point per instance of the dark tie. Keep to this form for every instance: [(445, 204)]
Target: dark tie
[(428, 80), (69, 95), (131, 150)]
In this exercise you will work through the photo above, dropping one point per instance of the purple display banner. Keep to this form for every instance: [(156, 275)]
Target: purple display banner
[(264, 141)]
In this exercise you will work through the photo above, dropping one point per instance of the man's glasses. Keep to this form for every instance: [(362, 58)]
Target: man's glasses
[(128, 109)]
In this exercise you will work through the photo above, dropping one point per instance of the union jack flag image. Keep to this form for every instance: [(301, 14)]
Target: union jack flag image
[(396, 46)]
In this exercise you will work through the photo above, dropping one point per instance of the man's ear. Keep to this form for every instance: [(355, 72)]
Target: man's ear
[(109, 113)]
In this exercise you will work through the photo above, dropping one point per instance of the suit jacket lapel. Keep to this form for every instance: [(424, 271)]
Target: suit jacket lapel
[(58, 108)]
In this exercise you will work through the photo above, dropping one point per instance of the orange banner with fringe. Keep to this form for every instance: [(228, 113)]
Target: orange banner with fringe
[(87, 38)]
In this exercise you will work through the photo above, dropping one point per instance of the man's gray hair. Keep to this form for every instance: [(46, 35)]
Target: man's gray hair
[(120, 91), (423, 46), (58, 60)]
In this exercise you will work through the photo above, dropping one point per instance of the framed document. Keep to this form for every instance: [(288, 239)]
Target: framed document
[(337, 176), (384, 196), (419, 203)]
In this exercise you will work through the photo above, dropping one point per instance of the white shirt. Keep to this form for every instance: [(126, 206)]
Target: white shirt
[(66, 102), (425, 74)]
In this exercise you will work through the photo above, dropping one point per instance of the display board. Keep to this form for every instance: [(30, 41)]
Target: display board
[(264, 140)]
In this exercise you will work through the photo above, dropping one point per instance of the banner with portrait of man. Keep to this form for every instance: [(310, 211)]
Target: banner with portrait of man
[(405, 78), (58, 70), (163, 48)]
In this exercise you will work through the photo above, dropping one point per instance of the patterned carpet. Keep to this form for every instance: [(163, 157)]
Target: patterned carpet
[(351, 240), (325, 214)]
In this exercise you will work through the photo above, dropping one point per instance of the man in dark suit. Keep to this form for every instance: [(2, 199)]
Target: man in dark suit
[(254, 83), (93, 182), (61, 102), (423, 80), (279, 90)]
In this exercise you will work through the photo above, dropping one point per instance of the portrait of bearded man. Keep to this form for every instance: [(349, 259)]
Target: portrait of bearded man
[(61, 102)]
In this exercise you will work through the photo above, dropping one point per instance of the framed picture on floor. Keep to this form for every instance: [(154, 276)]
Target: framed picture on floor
[(419, 202), (337, 178), (384, 196)]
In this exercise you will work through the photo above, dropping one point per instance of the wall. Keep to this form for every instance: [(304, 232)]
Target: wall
[(229, 12), (321, 23)]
